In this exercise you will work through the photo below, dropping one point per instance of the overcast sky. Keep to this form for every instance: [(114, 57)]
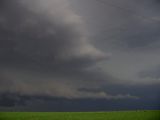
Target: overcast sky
[(79, 50)]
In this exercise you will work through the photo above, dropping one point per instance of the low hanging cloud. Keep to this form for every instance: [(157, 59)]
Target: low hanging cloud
[(44, 49), (130, 30), (44, 32)]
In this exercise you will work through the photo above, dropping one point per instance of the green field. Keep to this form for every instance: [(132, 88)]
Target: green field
[(132, 115)]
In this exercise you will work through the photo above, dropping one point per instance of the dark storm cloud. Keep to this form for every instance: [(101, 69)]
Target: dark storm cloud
[(133, 24), (139, 38), (151, 74), (48, 62), (27, 37), (44, 49), (129, 30)]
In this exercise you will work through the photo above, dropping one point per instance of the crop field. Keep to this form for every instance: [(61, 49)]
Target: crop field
[(128, 115)]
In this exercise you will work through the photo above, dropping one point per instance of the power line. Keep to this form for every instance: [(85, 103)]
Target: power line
[(105, 2)]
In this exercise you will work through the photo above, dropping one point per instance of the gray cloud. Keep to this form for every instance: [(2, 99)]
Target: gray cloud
[(44, 49), (129, 30), (124, 25), (152, 74), (42, 35)]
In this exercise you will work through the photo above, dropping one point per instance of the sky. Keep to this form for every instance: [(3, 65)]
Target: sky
[(79, 55)]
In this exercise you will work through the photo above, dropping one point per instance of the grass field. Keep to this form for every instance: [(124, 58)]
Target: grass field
[(132, 115)]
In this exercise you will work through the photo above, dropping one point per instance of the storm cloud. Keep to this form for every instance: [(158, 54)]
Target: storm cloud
[(41, 32), (64, 51), (129, 30), (44, 49)]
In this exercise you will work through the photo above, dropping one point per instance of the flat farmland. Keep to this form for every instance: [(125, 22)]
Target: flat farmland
[(125, 115)]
